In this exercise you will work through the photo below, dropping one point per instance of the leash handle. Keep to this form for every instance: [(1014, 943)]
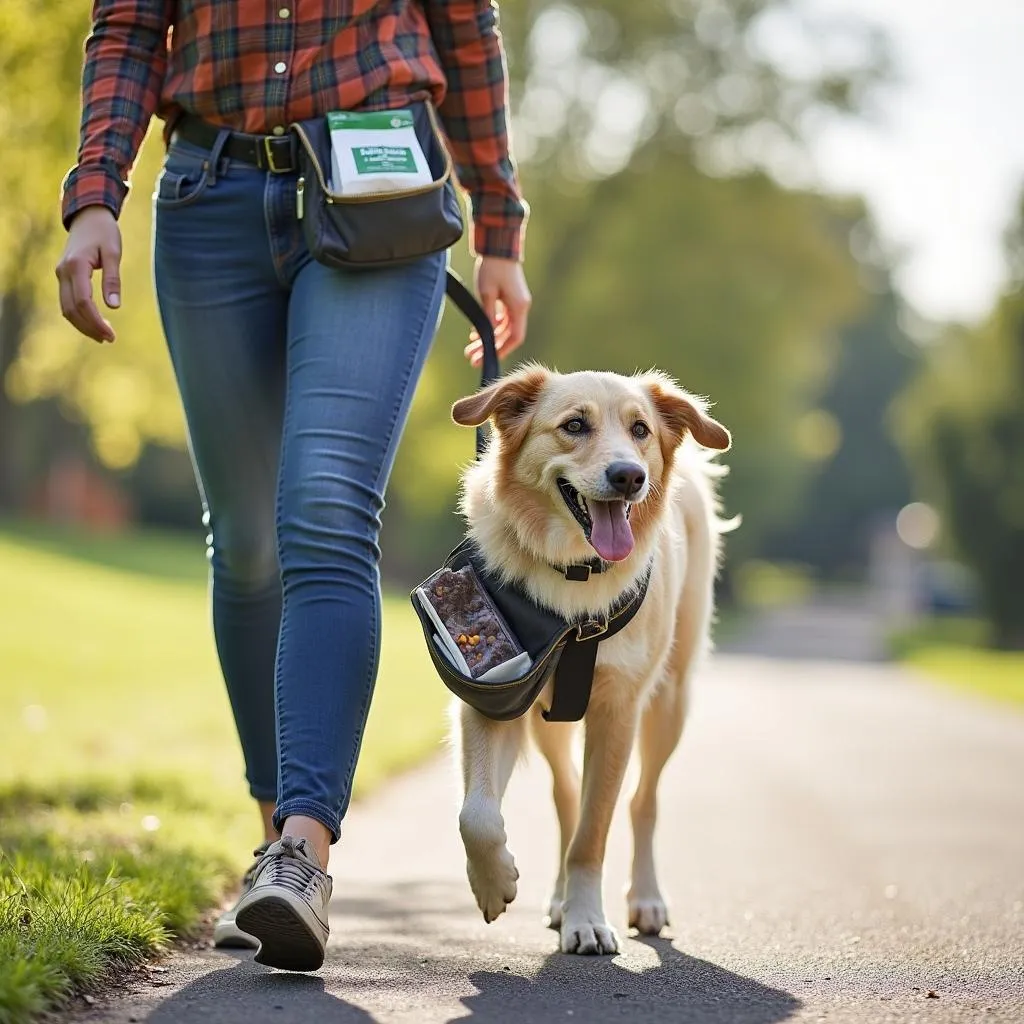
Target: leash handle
[(468, 305)]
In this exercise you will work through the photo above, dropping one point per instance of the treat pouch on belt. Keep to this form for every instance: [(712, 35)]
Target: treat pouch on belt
[(566, 649)]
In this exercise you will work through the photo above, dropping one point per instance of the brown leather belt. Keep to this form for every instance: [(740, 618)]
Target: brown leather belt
[(274, 153)]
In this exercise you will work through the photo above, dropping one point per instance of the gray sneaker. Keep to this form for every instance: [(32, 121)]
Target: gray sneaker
[(285, 909), (226, 933)]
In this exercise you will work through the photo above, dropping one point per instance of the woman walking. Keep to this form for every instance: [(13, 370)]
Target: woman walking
[(295, 378)]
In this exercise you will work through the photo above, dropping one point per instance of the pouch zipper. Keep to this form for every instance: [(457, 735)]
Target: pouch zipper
[(300, 193)]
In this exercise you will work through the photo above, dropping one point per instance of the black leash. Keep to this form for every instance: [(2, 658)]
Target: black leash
[(468, 305)]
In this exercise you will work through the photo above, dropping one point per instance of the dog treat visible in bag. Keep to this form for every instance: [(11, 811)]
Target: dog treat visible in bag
[(472, 633)]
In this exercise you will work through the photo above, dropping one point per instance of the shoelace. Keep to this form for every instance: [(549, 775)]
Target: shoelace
[(290, 868), (258, 853)]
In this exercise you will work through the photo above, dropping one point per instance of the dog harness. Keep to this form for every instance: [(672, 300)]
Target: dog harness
[(563, 648)]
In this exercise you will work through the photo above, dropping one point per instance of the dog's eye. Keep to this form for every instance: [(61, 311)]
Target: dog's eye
[(640, 430), (575, 426)]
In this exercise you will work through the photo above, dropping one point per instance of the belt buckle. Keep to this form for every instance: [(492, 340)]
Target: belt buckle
[(268, 150), (591, 629)]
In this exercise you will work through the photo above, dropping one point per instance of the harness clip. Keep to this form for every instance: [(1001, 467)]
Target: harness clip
[(591, 629)]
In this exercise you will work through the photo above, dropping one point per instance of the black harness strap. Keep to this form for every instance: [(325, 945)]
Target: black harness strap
[(574, 679), (574, 673)]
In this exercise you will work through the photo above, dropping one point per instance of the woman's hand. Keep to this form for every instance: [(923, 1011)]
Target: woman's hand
[(94, 243), (505, 297)]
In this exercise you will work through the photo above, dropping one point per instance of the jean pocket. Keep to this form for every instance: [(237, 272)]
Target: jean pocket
[(181, 182)]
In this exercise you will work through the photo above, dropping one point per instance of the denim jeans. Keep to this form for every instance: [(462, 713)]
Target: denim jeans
[(296, 381)]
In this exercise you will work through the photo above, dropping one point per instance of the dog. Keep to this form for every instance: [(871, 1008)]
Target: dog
[(581, 465)]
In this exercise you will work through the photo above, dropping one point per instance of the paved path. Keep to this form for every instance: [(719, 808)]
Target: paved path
[(839, 841), (832, 627)]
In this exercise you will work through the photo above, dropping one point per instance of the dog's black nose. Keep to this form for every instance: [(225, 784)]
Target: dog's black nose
[(626, 477)]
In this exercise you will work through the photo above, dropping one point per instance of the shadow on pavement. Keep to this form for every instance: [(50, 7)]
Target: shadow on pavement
[(679, 988), (250, 994)]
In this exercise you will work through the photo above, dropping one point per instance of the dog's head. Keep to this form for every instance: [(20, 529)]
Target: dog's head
[(580, 461)]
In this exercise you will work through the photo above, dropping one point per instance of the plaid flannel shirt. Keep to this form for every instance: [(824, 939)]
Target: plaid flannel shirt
[(258, 65)]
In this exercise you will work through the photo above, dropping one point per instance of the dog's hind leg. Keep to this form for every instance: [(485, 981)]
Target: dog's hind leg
[(489, 753), (660, 729), (554, 740), (662, 725)]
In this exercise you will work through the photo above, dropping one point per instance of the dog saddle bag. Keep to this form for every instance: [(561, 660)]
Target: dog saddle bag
[(495, 648), (376, 229)]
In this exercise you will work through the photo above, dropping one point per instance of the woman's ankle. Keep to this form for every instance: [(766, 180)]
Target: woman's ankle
[(317, 835)]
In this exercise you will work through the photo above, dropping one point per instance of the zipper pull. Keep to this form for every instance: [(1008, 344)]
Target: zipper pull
[(300, 191)]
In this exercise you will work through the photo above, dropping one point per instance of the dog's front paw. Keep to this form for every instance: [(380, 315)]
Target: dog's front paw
[(491, 868), (648, 916), (589, 936), (492, 877)]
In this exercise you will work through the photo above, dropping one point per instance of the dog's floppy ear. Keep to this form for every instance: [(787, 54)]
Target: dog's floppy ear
[(684, 413), (506, 401)]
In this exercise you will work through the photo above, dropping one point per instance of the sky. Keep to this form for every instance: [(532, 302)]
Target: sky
[(943, 159)]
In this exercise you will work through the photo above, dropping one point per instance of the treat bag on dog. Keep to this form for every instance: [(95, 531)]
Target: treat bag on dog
[(469, 630), (375, 151)]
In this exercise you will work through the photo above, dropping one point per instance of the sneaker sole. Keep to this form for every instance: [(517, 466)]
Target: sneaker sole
[(286, 941)]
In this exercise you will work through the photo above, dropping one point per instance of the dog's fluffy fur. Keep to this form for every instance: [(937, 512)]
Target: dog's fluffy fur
[(523, 526)]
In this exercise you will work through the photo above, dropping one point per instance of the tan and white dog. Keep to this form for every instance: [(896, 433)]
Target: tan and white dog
[(587, 464)]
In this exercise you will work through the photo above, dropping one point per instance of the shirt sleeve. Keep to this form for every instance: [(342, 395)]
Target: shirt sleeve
[(475, 115), (125, 63)]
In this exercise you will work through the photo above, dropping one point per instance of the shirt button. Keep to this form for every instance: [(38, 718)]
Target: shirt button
[(280, 67), (278, 129), (284, 13)]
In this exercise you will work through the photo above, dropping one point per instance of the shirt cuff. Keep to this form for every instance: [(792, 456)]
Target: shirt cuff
[(504, 242), (90, 186)]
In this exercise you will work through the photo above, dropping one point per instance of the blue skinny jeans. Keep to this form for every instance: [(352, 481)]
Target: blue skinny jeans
[(296, 381)]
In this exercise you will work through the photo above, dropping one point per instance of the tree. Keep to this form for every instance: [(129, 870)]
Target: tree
[(963, 427), (860, 477)]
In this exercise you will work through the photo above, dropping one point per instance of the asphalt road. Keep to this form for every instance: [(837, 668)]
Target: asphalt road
[(839, 842)]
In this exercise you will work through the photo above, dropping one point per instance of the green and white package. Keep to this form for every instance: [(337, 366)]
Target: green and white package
[(375, 151)]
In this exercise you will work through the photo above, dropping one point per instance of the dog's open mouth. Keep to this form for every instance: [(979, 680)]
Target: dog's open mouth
[(605, 523)]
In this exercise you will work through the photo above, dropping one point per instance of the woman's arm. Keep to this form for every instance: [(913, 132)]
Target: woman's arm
[(475, 115), (125, 61)]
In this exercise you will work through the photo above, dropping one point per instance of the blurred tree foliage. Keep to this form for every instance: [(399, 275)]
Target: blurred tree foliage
[(661, 146), (861, 479), (962, 421)]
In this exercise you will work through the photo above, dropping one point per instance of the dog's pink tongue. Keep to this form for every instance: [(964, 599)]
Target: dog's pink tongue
[(610, 536)]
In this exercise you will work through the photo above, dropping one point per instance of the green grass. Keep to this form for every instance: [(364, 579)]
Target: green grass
[(123, 809), (952, 650), (87, 888)]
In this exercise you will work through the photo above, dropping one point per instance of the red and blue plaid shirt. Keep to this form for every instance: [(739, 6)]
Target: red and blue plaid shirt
[(258, 65)]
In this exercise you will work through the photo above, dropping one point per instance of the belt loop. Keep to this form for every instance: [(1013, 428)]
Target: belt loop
[(222, 139)]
